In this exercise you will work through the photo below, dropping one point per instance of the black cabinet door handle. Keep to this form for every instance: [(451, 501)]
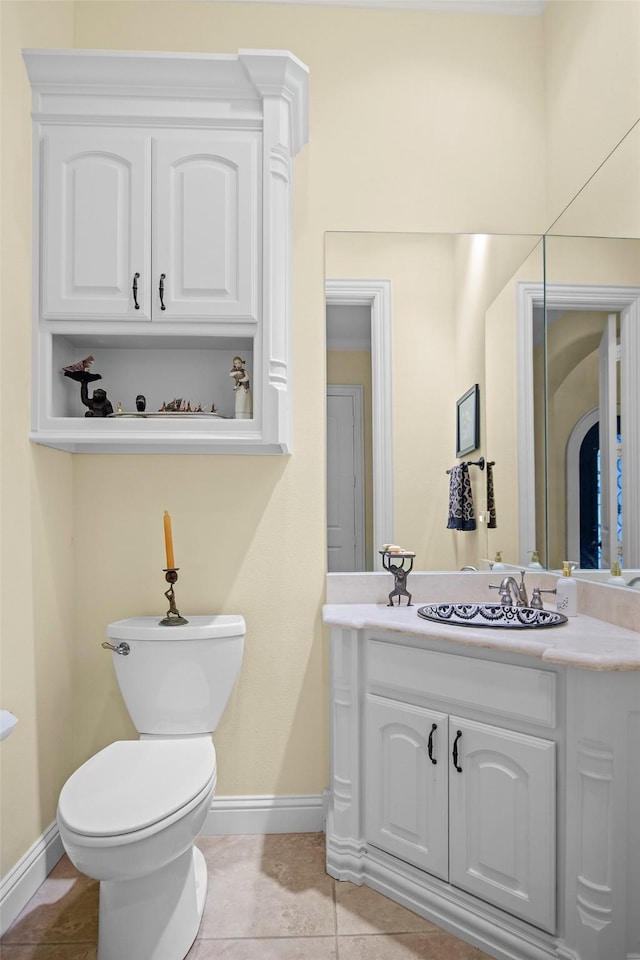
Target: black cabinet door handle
[(161, 290), (455, 751), (434, 727), (136, 277)]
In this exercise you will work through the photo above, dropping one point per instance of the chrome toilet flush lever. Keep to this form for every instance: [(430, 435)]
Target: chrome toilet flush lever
[(122, 648)]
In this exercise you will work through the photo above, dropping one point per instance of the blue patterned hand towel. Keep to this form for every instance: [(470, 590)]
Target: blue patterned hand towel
[(461, 513)]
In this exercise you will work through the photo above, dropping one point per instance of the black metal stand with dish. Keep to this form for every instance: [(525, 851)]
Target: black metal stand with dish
[(400, 573)]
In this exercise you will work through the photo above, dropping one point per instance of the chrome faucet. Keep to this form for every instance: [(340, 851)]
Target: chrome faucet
[(511, 591), (633, 580)]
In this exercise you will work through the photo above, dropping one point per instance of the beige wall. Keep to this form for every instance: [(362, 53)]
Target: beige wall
[(37, 560), (592, 88), (418, 122)]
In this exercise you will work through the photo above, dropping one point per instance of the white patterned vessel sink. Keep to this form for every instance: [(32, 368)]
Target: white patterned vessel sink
[(491, 615)]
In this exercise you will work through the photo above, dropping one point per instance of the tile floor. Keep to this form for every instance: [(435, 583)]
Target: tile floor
[(269, 898)]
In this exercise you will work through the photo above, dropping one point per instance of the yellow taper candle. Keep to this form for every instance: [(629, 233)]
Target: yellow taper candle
[(168, 541)]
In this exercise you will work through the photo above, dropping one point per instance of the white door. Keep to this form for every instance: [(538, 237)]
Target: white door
[(345, 479), (96, 224), (206, 226), (502, 814), (608, 445), (406, 794)]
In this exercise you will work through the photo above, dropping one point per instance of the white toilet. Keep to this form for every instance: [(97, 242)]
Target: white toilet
[(129, 816)]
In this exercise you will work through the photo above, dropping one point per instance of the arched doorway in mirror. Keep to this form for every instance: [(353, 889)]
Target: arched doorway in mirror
[(584, 494)]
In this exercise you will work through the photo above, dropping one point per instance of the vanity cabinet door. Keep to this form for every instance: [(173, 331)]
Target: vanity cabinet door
[(96, 224), (406, 783), (502, 818), (206, 225)]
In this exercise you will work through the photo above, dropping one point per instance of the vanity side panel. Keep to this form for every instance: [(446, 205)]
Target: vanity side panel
[(345, 844), (602, 880)]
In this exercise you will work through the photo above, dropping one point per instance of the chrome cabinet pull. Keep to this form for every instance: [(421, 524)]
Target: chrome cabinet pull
[(163, 277), (455, 751), (434, 727), (136, 277)]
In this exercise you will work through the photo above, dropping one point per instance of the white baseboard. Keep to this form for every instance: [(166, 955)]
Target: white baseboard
[(20, 884), (292, 814)]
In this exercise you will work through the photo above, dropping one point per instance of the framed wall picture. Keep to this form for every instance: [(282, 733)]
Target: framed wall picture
[(468, 422)]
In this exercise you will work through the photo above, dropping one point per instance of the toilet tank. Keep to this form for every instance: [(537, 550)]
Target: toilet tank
[(177, 680)]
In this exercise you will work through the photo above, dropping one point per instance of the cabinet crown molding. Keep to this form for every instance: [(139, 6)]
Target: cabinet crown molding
[(246, 78)]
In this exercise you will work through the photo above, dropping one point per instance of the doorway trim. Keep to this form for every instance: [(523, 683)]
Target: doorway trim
[(376, 294), (577, 296)]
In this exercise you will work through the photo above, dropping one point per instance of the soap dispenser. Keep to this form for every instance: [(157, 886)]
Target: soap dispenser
[(567, 592), (616, 577), (535, 561), (497, 563)]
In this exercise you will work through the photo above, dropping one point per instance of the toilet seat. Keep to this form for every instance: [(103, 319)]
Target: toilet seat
[(132, 785)]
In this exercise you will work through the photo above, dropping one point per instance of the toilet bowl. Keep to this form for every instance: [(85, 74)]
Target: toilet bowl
[(130, 815)]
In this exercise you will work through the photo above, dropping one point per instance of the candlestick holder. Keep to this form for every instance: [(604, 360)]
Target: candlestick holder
[(173, 618)]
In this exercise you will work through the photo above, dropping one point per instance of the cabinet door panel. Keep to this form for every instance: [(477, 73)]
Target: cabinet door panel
[(406, 794), (96, 230), (502, 819), (206, 227)]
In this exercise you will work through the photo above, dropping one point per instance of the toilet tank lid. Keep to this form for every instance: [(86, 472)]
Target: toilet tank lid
[(132, 784), (198, 628)]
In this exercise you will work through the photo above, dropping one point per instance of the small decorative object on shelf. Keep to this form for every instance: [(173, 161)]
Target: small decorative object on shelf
[(392, 552), (173, 617), (98, 404), (241, 385), (118, 407), (80, 366), (141, 403), (184, 406)]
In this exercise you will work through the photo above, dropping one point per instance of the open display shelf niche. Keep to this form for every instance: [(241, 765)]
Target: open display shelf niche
[(161, 368)]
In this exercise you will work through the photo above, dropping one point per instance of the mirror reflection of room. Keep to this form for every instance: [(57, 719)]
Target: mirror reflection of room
[(550, 331)]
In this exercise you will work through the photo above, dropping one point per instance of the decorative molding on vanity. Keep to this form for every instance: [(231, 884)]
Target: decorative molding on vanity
[(32, 869)]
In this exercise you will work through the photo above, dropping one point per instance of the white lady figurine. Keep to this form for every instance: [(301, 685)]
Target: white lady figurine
[(244, 404)]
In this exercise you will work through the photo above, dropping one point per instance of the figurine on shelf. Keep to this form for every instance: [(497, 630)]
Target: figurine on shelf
[(118, 407), (141, 403), (244, 405), (99, 404)]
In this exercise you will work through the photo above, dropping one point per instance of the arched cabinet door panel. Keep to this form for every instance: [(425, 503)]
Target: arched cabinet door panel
[(96, 225), (502, 818), (406, 783), (206, 226)]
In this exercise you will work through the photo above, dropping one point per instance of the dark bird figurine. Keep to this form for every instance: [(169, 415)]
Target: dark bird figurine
[(80, 365)]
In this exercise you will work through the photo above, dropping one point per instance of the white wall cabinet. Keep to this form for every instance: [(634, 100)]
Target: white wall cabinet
[(162, 226), (163, 208)]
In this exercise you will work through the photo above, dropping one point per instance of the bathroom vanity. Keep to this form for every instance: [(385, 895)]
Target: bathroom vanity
[(489, 779)]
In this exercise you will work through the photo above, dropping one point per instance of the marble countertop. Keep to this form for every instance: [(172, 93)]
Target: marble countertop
[(581, 642)]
